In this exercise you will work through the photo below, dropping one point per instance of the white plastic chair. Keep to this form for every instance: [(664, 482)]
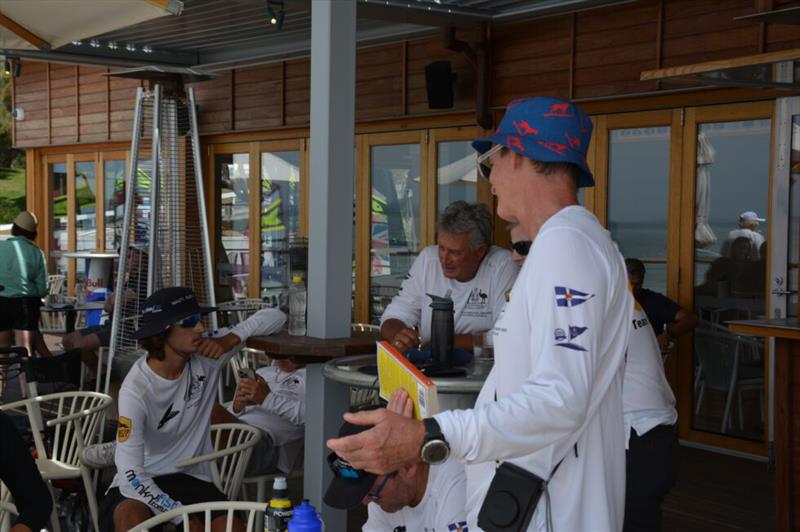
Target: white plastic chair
[(55, 283), (247, 357), (74, 418), (262, 481), (253, 509), (233, 444), (7, 510)]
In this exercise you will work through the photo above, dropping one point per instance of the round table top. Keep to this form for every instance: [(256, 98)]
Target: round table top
[(309, 350), (89, 255), (346, 371)]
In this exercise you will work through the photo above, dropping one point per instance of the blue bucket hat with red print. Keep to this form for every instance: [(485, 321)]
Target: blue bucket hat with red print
[(545, 129)]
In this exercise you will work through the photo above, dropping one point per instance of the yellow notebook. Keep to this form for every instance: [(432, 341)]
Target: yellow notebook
[(395, 371)]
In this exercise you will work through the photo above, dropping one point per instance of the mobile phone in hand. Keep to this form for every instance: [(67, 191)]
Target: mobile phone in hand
[(247, 373)]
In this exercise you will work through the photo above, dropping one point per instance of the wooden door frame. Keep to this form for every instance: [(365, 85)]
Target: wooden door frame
[(692, 118)]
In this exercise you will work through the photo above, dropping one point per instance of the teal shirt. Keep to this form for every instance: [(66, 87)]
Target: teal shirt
[(22, 269)]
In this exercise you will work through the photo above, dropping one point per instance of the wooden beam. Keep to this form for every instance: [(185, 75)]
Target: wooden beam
[(161, 4), (721, 64), (23, 33)]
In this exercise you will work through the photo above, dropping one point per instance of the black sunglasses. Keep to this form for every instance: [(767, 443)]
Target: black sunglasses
[(522, 247)]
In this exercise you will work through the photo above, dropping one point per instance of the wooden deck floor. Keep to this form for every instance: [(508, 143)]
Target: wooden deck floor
[(716, 493)]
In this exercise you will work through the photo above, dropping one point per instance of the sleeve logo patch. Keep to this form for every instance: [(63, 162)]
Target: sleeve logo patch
[(562, 340), (124, 430), (569, 297)]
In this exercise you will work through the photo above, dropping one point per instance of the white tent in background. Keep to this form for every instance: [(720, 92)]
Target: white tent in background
[(703, 235), (464, 169)]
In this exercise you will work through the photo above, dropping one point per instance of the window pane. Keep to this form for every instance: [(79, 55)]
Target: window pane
[(59, 238), (794, 221), (638, 191), (85, 213), (233, 259), (456, 174), (394, 171), (114, 201), (733, 165), (283, 254)]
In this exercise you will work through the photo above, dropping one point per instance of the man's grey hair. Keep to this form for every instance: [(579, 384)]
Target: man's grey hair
[(461, 217)]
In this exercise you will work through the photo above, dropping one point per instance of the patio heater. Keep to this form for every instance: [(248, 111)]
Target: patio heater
[(164, 240)]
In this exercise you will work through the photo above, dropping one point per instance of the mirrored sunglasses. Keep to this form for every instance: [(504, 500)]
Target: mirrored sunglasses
[(190, 321), (522, 247), (484, 160), (377, 495)]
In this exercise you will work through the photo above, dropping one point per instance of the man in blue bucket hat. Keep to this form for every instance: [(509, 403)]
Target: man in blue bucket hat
[(549, 418)]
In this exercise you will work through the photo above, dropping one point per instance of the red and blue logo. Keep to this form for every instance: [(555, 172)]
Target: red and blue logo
[(569, 297)]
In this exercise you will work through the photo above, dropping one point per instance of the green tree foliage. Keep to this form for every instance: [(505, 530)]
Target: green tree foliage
[(9, 157)]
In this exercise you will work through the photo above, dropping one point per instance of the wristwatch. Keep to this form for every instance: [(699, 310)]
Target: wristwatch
[(435, 449)]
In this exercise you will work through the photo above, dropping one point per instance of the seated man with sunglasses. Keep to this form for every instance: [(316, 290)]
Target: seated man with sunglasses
[(416, 497), (520, 244), (464, 265), (164, 409)]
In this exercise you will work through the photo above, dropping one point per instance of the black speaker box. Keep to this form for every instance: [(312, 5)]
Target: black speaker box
[(439, 79)]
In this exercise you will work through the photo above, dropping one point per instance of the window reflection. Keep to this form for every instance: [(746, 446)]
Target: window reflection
[(638, 192), (456, 174), (59, 238), (114, 201), (233, 266), (283, 252), (731, 198), (394, 222), (793, 248)]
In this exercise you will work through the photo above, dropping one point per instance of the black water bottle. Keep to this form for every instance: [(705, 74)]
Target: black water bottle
[(441, 331)]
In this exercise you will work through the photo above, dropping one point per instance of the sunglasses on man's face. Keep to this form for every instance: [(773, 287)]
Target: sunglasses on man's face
[(377, 495), (522, 247), (485, 162), (191, 321)]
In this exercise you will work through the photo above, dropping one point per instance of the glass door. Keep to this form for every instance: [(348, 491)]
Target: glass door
[(726, 165), (392, 236), (232, 176)]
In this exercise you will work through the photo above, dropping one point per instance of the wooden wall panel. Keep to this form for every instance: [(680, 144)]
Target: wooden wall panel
[(214, 103), (258, 97), (612, 47), (379, 84), (589, 54), (298, 93), (63, 104), (92, 99), (121, 104)]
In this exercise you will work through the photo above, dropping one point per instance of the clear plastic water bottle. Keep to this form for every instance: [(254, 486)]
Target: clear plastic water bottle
[(306, 519), (297, 307)]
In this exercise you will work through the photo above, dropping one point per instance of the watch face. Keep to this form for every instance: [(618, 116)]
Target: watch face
[(435, 452)]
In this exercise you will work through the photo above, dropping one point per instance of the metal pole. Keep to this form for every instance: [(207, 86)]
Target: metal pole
[(201, 205), (130, 213), (152, 260)]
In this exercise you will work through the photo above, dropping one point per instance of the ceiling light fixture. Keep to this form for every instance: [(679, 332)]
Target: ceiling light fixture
[(7, 68), (275, 13), (17, 70)]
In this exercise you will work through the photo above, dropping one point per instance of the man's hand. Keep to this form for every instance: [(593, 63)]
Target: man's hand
[(663, 342), (216, 347), (401, 403), (405, 340), (393, 442), (250, 392)]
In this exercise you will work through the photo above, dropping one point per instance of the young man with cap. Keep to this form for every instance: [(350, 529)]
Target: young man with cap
[(164, 409), (23, 277), (552, 404), (416, 497)]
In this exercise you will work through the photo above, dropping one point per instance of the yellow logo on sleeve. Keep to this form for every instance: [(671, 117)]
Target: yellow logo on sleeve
[(124, 429)]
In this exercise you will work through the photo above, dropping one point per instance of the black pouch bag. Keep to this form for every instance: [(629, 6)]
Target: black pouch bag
[(511, 499)]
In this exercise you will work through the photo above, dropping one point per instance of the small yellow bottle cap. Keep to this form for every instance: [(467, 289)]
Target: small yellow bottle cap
[(297, 279)]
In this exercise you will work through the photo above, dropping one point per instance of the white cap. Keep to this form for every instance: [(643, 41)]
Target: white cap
[(279, 483), (27, 221), (750, 216)]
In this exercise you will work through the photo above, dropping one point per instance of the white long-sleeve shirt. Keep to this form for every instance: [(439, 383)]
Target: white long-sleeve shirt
[(163, 421), (476, 303), (282, 414), (647, 399), (557, 380)]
